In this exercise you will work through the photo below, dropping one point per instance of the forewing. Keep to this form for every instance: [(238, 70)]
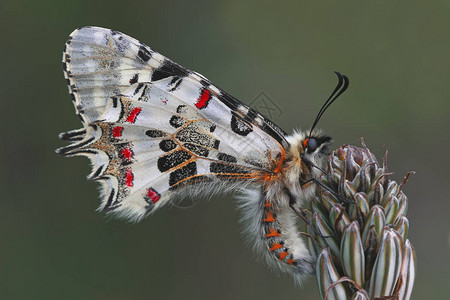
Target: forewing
[(152, 126)]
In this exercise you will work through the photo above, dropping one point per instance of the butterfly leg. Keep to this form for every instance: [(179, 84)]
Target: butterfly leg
[(301, 213)]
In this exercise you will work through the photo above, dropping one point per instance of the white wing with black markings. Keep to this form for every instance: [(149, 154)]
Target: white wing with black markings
[(152, 127)]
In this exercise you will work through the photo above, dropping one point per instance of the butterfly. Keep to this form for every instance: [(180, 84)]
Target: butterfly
[(156, 132)]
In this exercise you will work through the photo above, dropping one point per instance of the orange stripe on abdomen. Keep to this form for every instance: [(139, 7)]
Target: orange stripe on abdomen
[(273, 235)]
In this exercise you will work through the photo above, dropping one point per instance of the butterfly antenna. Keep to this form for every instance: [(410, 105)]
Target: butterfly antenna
[(341, 86)]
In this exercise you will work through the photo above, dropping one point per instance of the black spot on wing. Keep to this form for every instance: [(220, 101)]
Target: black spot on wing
[(219, 168), (155, 133), (176, 121), (196, 149), (256, 163), (167, 69), (226, 158), (181, 109), (139, 87), (73, 135), (168, 161), (69, 149), (85, 152), (110, 199), (143, 96), (240, 127), (144, 54), (97, 172), (175, 82), (114, 100), (134, 79), (167, 145), (190, 134), (185, 172)]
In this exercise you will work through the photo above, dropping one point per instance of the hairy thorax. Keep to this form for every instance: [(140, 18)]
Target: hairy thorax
[(299, 169)]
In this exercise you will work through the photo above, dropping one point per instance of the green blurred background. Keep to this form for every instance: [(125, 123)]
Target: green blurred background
[(55, 246)]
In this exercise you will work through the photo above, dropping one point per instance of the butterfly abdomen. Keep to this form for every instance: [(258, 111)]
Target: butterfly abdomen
[(270, 225)]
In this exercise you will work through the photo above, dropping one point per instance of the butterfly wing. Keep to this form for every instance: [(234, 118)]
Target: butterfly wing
[(152, 127)]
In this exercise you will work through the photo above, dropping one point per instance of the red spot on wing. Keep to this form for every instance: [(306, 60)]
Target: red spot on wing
[(117, 131), (203, 100), (126, 153), (129, 178), (133, 114), (153, 195)]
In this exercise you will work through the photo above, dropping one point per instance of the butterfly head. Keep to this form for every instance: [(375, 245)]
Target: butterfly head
[(310, 148), (306, 159), (316, 146)]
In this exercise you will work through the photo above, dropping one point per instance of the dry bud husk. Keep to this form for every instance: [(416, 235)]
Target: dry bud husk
[(358, 230)]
